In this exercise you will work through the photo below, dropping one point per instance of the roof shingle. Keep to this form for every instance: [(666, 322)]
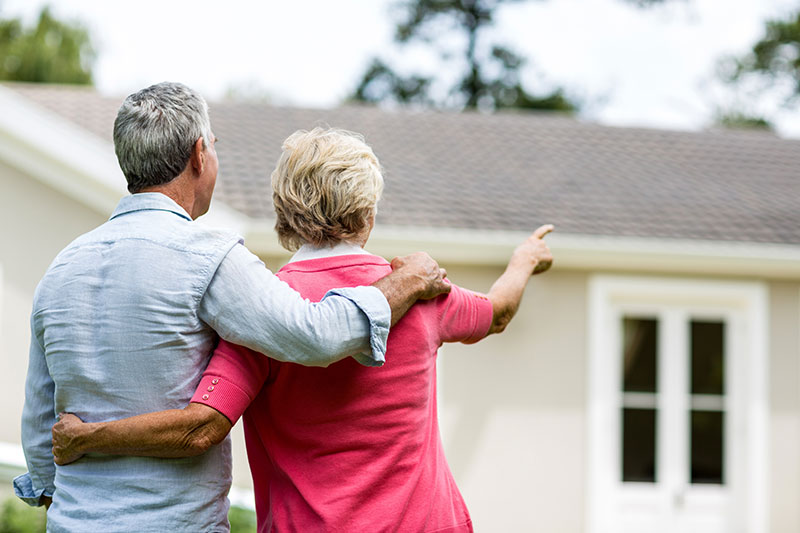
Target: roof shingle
[(513, 171)]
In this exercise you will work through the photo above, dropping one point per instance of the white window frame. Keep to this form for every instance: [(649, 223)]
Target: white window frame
[(606, 293)]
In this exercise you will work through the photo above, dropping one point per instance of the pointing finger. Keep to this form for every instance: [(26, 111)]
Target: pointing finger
[(541, 231)]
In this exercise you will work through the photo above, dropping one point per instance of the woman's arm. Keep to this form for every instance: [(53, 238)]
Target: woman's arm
[(173, 433), (233, 378), (531, 257)]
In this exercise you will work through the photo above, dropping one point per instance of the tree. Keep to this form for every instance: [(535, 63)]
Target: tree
[(770, 71), (490, 72), (742, 120), (50, 52), (490, 75)]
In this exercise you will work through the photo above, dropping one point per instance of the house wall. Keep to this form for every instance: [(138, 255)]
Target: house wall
[(784, 398), (512, 409), (37, 222)]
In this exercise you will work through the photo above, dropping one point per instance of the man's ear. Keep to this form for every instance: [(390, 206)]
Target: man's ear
[(198, 159)]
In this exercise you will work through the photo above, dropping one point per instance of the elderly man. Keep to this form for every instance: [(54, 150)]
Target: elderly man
[(124, 321)]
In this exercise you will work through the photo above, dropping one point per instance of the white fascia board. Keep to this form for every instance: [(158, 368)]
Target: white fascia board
[(573, 252), (679, 256), (59, 153)]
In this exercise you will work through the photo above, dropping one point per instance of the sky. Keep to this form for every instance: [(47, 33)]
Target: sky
[(631, 67)]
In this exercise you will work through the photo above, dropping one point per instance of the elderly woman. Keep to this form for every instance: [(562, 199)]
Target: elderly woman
[(325, 455)]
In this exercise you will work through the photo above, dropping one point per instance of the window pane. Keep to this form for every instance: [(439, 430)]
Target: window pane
[(708, 358), (639, 445), (640, 338), (707, 447)]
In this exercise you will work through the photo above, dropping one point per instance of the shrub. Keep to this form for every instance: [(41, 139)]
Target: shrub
[(242, 520), (16, 517)]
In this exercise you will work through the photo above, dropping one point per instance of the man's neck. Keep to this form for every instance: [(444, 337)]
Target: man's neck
[(178, 192)]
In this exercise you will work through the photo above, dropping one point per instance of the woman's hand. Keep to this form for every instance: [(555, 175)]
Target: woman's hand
[(531, 257), (534, 251), (67, 434)]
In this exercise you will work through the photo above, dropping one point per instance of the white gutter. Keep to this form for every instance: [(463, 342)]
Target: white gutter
[(571, 252)]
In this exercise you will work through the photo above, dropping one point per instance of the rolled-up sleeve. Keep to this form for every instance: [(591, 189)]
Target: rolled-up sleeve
[(247, 304), (38, 417)]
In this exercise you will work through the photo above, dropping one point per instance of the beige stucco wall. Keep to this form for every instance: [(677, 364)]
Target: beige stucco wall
[(512, 409), (37, 222), (784, 398)]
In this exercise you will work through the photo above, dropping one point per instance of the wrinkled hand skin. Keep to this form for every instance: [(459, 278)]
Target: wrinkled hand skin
[(65, 439), (430, 276), (534, 251)]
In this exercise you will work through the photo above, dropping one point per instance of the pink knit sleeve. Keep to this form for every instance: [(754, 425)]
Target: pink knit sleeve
[(465, 316), (232, 380)]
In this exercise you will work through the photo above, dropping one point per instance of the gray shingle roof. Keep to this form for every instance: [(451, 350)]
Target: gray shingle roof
[(514, 171)]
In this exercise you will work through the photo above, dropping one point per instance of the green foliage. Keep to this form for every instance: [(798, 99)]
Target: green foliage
[(774, 61), (242, 520), (17, 517), (490, 77), (50, 52), (743, 121), (381, 83)]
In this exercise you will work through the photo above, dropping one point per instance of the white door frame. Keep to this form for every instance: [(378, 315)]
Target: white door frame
[(747, 299)]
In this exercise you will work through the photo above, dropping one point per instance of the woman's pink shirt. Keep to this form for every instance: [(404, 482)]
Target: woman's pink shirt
[(349, 448)]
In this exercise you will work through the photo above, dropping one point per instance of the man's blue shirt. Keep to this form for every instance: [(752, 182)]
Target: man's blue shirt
[(124, 322)]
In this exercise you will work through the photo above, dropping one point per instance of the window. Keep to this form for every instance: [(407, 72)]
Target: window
[(677, 405)]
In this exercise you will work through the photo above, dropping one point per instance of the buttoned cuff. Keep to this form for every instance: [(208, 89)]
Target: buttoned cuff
[(25, 491), (373, 304), (222, 395)]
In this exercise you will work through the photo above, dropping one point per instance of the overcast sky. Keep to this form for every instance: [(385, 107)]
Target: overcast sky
[(652, 67)]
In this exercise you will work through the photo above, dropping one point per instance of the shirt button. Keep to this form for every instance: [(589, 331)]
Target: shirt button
[(215, 381), (210, 388), (205, 396)]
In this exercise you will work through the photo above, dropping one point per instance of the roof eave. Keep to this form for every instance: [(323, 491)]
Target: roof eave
[(571, 252), (72, 160), (59, 153)]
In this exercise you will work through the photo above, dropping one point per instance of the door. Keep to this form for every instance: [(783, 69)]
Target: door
[(676, 382)]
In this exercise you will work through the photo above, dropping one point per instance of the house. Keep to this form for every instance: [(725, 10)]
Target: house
[(650, 381)]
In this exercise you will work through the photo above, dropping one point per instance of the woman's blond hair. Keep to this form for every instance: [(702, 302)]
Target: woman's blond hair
[(325, 187)]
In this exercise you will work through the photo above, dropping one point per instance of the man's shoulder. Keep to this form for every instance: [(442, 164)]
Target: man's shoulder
[(131, 245), (158, 229)]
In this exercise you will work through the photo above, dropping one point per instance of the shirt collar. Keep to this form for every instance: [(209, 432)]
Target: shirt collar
[(149, 201), (309, 251)]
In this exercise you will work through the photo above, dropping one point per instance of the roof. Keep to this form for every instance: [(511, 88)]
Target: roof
[(512, 171)]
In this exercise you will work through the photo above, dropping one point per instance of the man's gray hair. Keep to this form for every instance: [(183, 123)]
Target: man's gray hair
[(155, 131)]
